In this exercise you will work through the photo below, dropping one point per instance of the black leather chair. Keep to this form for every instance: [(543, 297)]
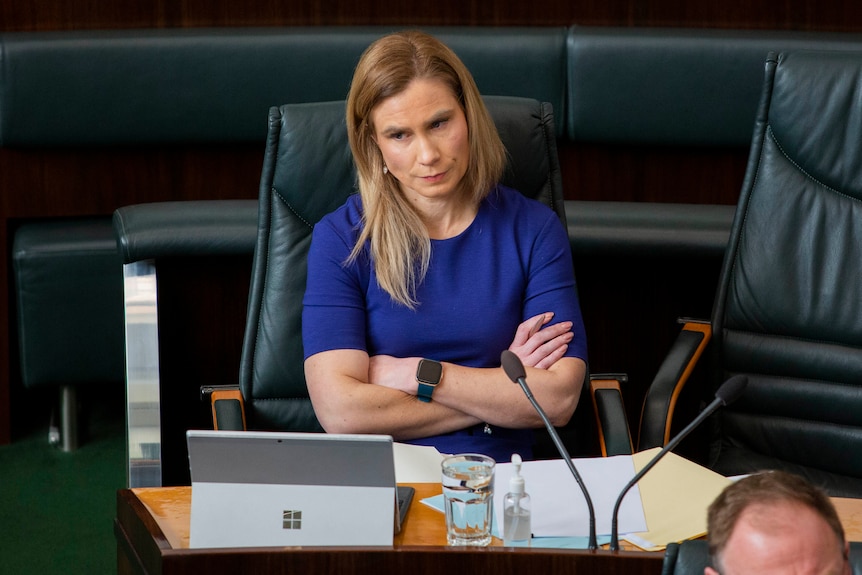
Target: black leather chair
[(691, 557), (788, 310), (686, 558), (307, 173)]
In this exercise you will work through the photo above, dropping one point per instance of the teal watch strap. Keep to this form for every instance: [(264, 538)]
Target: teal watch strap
[(428, 375), (425, 392)]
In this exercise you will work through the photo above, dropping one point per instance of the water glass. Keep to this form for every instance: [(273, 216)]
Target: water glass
[(468, 498)]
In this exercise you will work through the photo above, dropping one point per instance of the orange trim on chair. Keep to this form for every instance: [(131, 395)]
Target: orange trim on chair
[(226, 394), (597, 384), (706, 330)]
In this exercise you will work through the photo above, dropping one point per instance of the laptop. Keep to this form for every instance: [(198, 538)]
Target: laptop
[(260, 489)]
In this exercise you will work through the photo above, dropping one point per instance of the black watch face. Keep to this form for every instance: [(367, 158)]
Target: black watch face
[(429, 372)]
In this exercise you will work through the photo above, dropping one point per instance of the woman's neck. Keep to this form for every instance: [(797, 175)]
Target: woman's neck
[(449, 219)]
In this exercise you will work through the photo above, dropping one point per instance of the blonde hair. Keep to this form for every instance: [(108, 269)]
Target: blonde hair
[(400, 246)]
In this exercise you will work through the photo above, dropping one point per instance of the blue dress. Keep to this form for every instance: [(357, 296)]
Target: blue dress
[(513, 262)]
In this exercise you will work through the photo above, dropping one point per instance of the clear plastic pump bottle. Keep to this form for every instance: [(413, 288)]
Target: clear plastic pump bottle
[(517, 530)]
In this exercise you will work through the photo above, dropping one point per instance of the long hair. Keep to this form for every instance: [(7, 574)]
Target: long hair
[(400, 246)]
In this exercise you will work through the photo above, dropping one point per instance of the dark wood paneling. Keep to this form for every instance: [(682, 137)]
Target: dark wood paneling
[(84, 181), (787, 15), (606, 172), (202, 309)]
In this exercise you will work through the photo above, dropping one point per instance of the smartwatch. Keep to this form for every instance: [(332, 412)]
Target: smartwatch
[(428, 375)]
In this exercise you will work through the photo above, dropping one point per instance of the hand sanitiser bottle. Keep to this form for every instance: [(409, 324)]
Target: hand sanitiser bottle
[(516, 510)]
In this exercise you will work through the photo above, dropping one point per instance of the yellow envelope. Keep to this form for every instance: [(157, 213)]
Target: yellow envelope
[(675, 494)]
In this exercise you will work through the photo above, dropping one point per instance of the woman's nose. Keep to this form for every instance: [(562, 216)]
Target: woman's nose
[(427, 152)]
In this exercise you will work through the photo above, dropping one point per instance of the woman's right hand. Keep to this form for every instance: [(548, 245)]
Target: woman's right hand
[(540, 345)]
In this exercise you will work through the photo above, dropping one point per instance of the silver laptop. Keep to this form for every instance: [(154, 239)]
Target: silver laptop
[(259, 489)]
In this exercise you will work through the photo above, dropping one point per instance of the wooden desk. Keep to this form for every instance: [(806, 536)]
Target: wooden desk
[(152, 531)]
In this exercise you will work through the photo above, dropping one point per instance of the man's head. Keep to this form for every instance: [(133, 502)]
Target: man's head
[(775, 522)]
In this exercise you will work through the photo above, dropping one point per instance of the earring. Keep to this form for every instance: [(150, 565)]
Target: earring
[(385, 170)]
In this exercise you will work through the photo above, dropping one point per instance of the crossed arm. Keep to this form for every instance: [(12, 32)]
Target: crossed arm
[(354, 393)]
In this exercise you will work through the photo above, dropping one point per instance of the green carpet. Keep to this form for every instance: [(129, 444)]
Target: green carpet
[(57, 509)]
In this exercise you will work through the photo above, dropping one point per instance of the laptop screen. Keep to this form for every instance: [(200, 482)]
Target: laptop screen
[(285, 488)]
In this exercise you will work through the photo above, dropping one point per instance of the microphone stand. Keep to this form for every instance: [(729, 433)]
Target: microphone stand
[(727, 393), (515, 371), (564, 452)]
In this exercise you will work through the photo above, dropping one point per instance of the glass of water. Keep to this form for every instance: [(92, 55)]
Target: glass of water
[(468, 498)]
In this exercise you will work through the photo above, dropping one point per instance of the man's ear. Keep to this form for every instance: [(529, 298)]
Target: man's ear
[(710, 571)]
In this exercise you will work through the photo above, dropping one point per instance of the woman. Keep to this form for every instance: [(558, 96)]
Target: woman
[(417, 284)]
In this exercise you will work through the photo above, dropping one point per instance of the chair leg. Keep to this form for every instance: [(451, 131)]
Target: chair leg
[(68, 418)]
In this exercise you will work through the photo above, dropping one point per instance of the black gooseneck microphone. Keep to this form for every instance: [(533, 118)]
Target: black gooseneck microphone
[(515, 370), (729, 392)]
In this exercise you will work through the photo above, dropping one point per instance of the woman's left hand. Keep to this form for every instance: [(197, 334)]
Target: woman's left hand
[(540, 346)]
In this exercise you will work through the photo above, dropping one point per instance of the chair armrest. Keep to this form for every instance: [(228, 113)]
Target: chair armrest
[(606, 229), (186, 228), (228, 408), (613, 426), (668, 383)]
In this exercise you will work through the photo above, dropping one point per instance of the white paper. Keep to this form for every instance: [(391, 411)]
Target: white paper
[(559, 507), (416, 463)]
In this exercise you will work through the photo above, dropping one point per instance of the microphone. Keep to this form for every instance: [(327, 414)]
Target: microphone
[(515, 370), (729, 392)]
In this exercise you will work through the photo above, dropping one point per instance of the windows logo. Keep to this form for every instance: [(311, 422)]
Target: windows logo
[(292, 519)]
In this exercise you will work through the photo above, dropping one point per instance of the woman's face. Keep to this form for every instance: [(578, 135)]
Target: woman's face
[(422, 134)]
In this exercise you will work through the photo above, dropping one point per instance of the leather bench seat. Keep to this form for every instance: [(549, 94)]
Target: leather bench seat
[(216, 85), (69, 294), (674, 86)]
